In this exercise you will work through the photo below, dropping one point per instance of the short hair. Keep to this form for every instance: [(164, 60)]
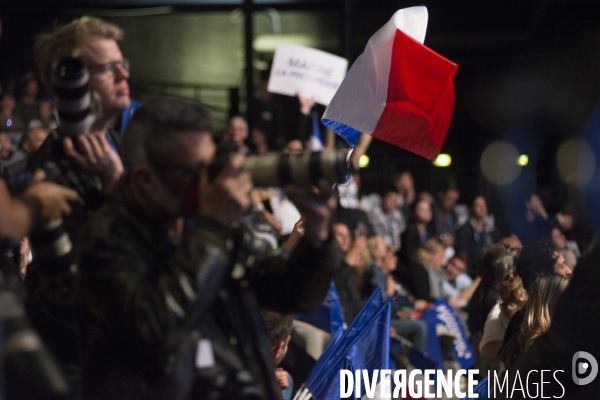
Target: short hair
[(67, 41), (447, 185), (148, 135), (536, 259), (387, 189), (279, 326), (462, 256)]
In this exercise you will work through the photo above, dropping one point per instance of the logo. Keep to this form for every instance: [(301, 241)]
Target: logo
[(584, 363)]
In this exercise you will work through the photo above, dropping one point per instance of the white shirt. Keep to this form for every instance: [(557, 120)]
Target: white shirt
[(495, 326)]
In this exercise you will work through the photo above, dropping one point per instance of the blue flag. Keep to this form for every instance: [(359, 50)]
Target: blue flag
[(328, 315), (367, 311), (481, 389), (368, 349), (316, 143)]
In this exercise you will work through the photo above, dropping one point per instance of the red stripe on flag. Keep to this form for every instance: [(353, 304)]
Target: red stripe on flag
[(420, 98)]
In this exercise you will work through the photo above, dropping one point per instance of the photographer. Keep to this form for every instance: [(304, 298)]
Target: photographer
[(88, 160), (161, 320), (82, 155)]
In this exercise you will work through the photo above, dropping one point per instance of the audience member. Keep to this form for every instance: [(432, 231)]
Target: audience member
[(417, 232), (488, 291), (237, 131), (478, 233), (512, 299), (444, 221), (405, 185), (279, 330), (345, 276), (9, 155), (10, 122), (387, 221), (560, 241), (425, 278), (544, 293), (25, 107), (43, 117)]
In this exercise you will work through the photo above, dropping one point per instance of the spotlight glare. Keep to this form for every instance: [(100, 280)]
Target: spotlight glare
[(523, 160), (363, 161), (443, 160)]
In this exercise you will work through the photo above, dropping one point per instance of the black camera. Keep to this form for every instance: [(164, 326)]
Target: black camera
[(276, 170), (77, 108)]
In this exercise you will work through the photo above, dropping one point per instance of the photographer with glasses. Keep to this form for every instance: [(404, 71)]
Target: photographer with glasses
[(82, 156)]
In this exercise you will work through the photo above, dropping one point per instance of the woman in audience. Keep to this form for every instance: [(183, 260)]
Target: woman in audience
[(512, 298), (488, 291), (417, 231), (560, 241), (543, 297), (425, 277)]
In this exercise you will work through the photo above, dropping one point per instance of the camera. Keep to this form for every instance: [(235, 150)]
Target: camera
[(77, 108), (276, 170)]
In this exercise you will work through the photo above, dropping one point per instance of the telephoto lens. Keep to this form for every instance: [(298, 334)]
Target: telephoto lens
[(306, 169), (276, 170), (76, 109)]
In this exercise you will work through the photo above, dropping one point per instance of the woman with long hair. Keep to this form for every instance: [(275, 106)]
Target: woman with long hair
[(512, 298), (544, 295)]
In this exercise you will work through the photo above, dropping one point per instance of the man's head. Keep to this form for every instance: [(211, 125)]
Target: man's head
[(33, 139), (403, 181), (167, 141), (448, 196), (389, 199), (478, 208), (94, 41), (540, 258), (279, 328), (456, 265), (237, 132), (342, 235)]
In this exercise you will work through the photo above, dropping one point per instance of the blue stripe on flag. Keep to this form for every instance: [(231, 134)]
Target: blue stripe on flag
[(349, 134)]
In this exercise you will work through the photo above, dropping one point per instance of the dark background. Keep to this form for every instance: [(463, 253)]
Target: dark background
[(529, 72)]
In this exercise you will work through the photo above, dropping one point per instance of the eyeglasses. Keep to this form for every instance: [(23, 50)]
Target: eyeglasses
[(109, 68)]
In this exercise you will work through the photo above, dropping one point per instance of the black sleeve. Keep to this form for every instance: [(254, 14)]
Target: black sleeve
[(139, 302), (419, 283), (295, 281)]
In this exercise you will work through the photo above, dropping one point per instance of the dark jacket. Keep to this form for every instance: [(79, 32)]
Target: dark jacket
[(166, 321), (467, 242), (410, 241)]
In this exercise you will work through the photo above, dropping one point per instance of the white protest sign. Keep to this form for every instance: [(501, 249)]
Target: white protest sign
[(310, 72)]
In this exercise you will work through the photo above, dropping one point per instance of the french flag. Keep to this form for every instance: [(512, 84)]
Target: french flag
[(398, 90)]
